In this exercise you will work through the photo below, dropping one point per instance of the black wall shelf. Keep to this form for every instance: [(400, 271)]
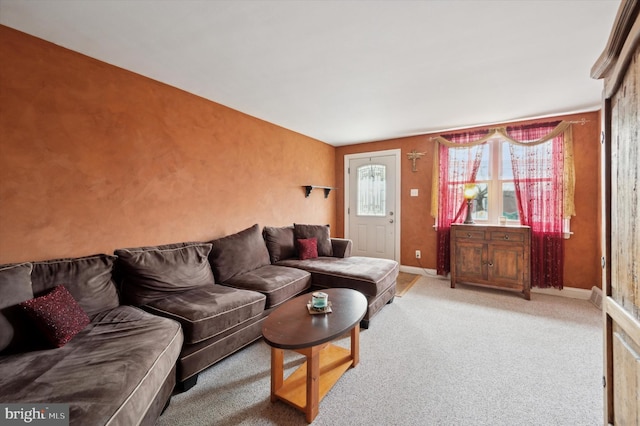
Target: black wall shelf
[(309, 188)]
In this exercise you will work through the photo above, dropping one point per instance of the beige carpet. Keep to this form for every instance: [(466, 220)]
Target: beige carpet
[(438, 356), (404, 282)]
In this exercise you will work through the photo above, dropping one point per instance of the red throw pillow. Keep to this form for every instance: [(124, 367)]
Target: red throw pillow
[(307, 248), (57, 314)]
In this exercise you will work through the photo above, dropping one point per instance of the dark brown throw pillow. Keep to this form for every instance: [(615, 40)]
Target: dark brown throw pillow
[(307, 248), (57, 315), (280, 242), (150, 273), (238, 253), (89, 280), (319, 232), (15, 287)]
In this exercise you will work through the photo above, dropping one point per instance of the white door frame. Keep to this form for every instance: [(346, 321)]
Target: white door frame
[(397, 154)]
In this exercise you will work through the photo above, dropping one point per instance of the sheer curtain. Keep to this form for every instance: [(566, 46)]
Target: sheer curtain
[(538, 170), (458, 164)]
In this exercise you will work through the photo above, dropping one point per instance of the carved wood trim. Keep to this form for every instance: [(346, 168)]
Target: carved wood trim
[(614, 80), (626, 16)]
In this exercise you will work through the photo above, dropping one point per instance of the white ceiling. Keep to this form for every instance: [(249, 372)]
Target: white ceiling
[(345, 71)]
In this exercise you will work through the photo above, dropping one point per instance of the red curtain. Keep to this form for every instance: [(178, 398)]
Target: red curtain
[(456, 169), (538, 179)]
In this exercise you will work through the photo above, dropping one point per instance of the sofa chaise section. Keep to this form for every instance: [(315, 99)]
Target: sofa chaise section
[(334, 266), (375, 278), (119, 370)]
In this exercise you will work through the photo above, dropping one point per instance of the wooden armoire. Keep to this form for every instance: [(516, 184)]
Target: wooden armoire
[(619, 66)]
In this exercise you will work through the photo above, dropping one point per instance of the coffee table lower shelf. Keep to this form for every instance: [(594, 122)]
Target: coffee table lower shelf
[(305, 387)]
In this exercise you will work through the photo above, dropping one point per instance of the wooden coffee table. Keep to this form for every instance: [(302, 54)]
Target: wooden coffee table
[(292, 327)]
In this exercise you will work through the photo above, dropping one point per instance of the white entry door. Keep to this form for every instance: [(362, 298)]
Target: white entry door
[(372, 217)]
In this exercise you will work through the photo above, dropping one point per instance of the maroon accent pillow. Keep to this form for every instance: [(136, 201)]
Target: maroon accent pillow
[(307, 248), (57, 314)]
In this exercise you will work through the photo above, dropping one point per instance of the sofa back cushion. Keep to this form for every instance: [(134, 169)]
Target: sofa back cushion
[(319, 232), (15, 287), (88, 279), (280, 242), (238, 253), (151, 273)]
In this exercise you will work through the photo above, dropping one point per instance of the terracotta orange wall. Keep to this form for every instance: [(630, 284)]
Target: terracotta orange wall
[(94, 158), (582, 250)]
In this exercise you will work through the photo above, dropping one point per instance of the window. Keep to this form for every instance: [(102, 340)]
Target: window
[(496, 189), (372, 186)]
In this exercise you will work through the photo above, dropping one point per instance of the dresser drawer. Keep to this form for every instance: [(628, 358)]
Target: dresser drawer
[(507, 236), (469, 234)]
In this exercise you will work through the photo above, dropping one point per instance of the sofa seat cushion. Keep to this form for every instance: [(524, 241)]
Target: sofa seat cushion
[(207, 311), (108, 374), (277, 283), (368, 275)]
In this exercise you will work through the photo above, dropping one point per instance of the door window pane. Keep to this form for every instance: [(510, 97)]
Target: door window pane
[(372, 185)]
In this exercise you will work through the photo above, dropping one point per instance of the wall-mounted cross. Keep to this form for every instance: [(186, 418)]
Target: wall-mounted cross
[(413, 156)]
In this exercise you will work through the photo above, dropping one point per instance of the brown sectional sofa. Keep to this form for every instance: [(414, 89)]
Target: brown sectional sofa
[(185, 306), (222, 303)]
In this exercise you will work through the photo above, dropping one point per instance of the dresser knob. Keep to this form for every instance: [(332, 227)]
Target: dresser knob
[(506, 237)]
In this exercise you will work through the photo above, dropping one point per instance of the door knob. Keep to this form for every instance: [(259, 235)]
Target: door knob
[(390, 220)]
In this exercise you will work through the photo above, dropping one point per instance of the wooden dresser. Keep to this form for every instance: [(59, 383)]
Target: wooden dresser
[(493, 256)]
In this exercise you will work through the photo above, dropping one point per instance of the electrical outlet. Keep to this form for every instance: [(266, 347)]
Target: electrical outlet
[(418, 254)]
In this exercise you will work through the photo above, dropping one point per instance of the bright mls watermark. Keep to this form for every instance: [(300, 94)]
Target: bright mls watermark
[(34, 414)]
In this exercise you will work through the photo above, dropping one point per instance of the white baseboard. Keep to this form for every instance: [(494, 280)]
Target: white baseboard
[(571, 292), (420, 271)]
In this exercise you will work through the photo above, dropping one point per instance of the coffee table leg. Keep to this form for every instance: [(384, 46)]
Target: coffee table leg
[(355, 345), (277, 371), (312, 406)]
